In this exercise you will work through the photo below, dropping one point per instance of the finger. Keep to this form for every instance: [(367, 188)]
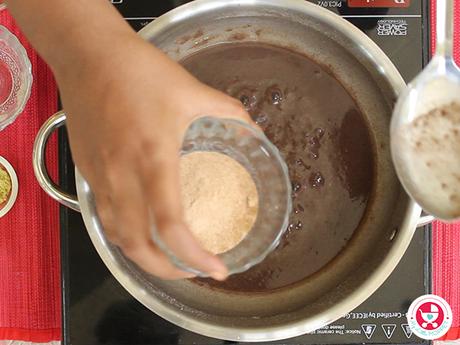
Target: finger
[(224, 106), (161, 178), (104, 209), (151, 259), (181, 241), (132, 227)]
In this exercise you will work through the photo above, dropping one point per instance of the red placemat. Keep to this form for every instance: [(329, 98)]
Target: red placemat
[(446, 237), (29, 235)]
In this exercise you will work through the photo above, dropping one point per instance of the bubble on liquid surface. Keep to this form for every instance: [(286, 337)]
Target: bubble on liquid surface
[(316, 180), (313, 142), (261, 119), (299, 209), (296, 187), (274, 95), (299, 225), (319, 132), (301, 163), (248, 98)]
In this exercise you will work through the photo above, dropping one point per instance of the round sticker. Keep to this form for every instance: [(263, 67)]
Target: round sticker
[(429, 317)]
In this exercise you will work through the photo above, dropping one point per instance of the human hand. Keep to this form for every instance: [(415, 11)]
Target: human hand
[(127, 114)]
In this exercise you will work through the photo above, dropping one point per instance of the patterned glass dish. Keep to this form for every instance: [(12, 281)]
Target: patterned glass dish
[(15, 78), (251, 148)]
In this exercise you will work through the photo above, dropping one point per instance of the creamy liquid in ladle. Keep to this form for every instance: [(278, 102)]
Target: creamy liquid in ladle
[(324, 139), (432, 156)]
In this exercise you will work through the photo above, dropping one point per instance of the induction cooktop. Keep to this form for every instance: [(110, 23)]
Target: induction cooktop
[(97, 310)]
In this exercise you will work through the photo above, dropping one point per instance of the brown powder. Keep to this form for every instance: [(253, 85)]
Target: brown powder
[(220, 199)]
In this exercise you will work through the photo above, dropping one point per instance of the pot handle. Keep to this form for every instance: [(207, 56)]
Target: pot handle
[(41, 174), (56, 121), (425, 219)]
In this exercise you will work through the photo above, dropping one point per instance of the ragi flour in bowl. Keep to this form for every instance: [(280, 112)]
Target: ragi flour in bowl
[(220, 199)]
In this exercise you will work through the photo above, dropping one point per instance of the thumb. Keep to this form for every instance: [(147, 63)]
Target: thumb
[(224, 106), (163, 195)]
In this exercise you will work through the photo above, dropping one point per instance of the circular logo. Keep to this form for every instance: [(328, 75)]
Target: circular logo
[(429, 317)]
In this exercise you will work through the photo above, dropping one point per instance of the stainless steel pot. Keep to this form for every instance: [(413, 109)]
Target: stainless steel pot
[(376, 247)]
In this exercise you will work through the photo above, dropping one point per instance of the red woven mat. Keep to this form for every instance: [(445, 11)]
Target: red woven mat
[(29, 235), (446, 237)]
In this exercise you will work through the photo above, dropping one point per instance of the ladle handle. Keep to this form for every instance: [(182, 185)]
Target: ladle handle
[(445, 27)]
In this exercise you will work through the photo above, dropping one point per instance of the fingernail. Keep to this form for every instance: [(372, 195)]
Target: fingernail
[(221, 276)]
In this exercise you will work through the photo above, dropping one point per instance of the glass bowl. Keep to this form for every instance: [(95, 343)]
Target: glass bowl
[(251, 148), (15, 78), (11, 199)]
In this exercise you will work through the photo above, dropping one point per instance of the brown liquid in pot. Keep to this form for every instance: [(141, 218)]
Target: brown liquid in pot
[(324, 139)]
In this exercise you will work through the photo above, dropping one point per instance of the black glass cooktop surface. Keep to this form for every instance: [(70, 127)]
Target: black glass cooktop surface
[(97, 310)]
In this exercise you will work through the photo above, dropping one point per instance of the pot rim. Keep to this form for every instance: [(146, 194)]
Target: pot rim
[(291, 329)]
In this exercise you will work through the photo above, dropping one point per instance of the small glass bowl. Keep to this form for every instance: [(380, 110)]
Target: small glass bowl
[(9, 203), (251, 148), (15, 78)]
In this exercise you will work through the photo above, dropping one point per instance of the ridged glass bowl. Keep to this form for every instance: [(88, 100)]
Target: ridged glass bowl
[(15, 78), (251, 148)]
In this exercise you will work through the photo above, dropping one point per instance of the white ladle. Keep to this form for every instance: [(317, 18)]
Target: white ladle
[(426, 148)]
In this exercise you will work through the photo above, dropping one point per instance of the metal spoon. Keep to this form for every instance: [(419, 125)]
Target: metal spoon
[(425, 127)]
